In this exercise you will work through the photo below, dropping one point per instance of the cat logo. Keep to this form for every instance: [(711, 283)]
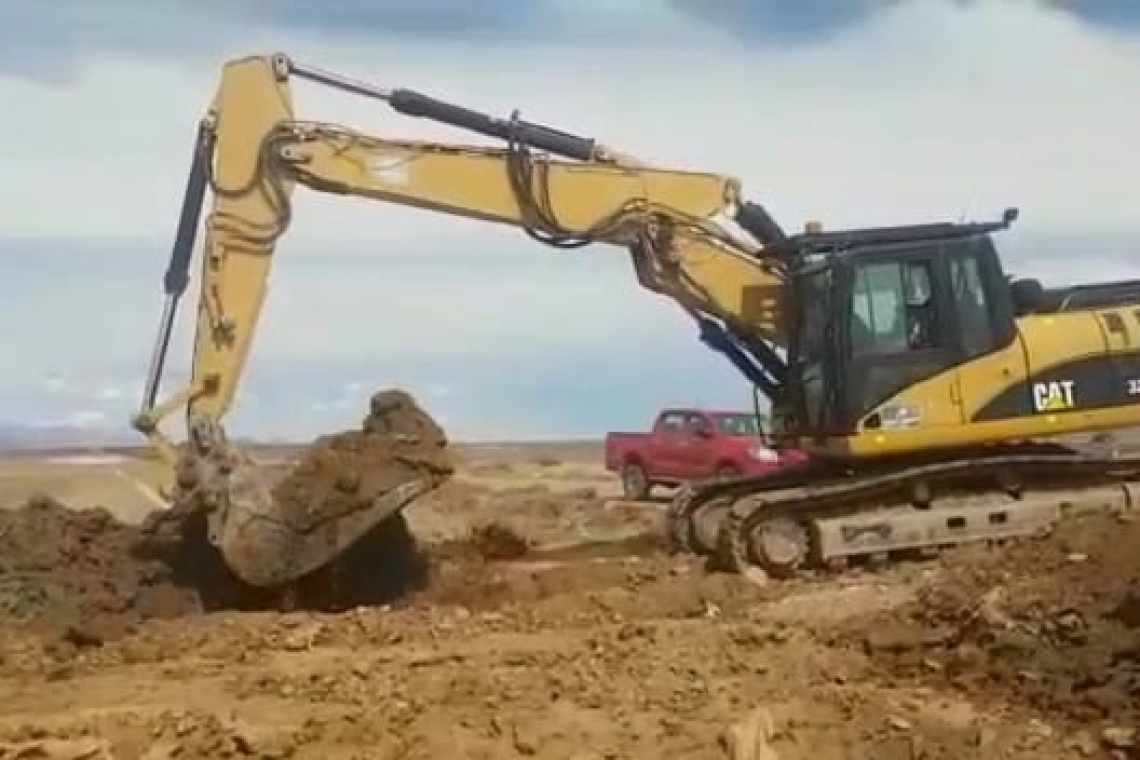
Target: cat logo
[(1054, 396)]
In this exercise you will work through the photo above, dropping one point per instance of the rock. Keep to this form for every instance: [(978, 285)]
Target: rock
[(749, 739), (1082, 743), (58, 749), (1128, 610), (899, 724), (523, 742), (1119, 737), (302, 638), (165, 750)]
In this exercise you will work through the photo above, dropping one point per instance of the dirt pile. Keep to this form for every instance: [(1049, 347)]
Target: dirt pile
[(87, 577), (77, 573), (1052, 624)]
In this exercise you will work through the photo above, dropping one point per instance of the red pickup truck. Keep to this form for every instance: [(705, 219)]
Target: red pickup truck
[(693, 444)]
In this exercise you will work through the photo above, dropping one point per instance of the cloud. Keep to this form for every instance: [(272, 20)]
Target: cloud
[(888, 113), (921, 114), (48, 41), (51, 42), (773, 22)]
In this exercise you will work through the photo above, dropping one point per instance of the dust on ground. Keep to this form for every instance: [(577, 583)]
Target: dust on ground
[(546, 622)]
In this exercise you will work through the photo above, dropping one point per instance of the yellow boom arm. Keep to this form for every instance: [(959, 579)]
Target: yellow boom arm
[(251, 152)]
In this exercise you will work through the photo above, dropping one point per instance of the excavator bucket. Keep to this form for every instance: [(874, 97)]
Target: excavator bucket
[(272, 534)]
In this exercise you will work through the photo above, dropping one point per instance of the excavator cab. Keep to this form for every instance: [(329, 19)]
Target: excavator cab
[(879, 310)]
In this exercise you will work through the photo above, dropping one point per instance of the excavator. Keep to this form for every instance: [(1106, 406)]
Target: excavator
[(913, 370)]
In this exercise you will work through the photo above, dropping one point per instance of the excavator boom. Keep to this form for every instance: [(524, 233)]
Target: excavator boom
[(251, 151)]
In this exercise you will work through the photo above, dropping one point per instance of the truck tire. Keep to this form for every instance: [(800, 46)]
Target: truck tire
[(634, 482)]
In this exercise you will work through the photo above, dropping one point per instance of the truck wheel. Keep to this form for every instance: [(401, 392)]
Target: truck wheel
[(727, 472), (634, 482)]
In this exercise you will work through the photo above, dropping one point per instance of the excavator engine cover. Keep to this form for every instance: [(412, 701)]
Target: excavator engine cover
[(344, 485)]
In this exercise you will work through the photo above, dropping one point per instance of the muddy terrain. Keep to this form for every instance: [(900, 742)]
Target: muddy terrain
[(525, 615)]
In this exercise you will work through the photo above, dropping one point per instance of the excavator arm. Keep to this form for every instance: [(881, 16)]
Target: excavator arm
[(562, 190)]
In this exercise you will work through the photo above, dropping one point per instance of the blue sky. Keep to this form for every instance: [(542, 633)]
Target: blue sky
[(855, 113)]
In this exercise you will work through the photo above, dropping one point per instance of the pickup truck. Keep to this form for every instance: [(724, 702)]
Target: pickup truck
[(690, 445)]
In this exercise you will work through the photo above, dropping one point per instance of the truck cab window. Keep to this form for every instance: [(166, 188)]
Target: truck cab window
[(673, 423), (892, 308), (696, 424), (738, 424)]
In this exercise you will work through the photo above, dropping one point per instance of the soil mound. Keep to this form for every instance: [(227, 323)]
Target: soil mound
[(1052, 622), (77, 573), (86, 577)]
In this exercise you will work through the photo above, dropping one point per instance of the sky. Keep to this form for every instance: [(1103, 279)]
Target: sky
[(854, 113)]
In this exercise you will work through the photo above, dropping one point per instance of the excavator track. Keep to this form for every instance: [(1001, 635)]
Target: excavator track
[(779, 527), (697, 510)]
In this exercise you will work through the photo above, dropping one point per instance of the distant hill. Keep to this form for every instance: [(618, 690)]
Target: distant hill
[(21, 436), (16, 437)]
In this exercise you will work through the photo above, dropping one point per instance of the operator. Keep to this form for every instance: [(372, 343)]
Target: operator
[(919, 308)]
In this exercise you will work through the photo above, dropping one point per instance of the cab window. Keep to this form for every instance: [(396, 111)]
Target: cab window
[(672, 423), (815, 311), (892, 308), (738, 424), (976, 326), (696, 424)]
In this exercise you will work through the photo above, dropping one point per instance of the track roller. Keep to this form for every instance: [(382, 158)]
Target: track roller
[(781, 546), (704, 524)]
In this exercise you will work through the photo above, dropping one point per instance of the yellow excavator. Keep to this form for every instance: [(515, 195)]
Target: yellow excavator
[(902, 359)]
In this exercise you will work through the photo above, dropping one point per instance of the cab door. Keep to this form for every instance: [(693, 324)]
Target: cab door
[(991, 355), (702, 453), (669, 445), (900, 341)]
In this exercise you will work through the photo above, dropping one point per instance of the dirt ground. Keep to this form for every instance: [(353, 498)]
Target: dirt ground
[(539, 617)]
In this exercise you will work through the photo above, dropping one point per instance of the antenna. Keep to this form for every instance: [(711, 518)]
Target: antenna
[(965, 212)]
